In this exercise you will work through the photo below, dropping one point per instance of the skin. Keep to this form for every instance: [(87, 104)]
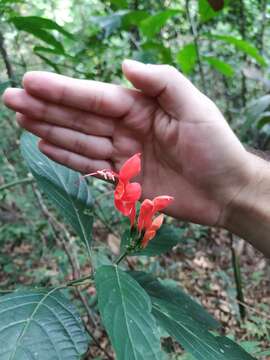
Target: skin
[(188, 150)]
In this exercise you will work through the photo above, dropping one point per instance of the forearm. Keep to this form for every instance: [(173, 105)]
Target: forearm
[(248, 216)]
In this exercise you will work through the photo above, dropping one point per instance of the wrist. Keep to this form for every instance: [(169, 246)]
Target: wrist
[(248, 213)]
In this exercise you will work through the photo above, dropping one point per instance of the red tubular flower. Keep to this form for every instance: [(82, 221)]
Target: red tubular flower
[(152, 230), (126, 193), (149, 208), (147, 211)]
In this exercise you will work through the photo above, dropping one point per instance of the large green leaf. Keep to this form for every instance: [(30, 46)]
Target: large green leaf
[(65, 187), (187, 58), (241, 45), (32, 23), (198, 341), (39, 26), (126, 313), (153, 24), (166, 238), (219, 65), (41, 325), (164, 293), (188, 322)]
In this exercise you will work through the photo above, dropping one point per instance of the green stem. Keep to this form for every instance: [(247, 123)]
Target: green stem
[(15, 183), (79, 281), (121, 257), (238, 280)]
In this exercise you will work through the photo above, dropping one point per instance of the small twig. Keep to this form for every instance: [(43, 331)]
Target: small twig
[(16, 182)]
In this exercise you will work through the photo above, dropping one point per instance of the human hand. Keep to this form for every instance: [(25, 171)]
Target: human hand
[(188, 149)]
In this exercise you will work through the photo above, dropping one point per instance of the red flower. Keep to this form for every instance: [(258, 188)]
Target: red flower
[(152, 229), (127, 193), (148, 210)]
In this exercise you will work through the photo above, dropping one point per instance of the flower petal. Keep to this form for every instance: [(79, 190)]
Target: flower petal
[(133, 192), (130, 168), (124, 207), (145, 215), (161, 202), (157, 222), (149, 235), (119, 190), (132, 215)]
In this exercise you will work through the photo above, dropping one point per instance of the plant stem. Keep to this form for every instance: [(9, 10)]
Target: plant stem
[(195, 35), (243, 35), (121, 257), (16, 182), (79, 281), (238, 279), (7, 62)]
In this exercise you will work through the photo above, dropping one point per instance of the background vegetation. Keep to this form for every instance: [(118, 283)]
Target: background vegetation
[(226, 54)]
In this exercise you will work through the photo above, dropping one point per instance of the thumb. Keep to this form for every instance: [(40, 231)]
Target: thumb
[(164, 82)]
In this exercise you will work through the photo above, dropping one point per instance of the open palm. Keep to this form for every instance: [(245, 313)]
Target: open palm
[(188, 150)]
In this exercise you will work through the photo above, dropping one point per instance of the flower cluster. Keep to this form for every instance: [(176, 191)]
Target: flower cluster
[(127, 194)]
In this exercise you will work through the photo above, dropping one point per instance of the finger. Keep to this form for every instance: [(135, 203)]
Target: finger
[(19, 100), (88, 145), (72, 160), (100, 98), (166, 83)]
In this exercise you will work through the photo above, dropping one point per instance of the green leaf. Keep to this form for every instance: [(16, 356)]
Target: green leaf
[(33, 23), (126, 314), (153, 24), (253, 113), (41, 325), (3, 86), (206, 11), (241, 45), (162, 293), (187, 58), (49, 62), (47, 38), (258, 106), (167, 237), (49, 50), (264, 119), (188, 322), (161, 53), (110, 23), (121, 4), (198, 341), (134, 18), (64, 187), (219, 65)]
